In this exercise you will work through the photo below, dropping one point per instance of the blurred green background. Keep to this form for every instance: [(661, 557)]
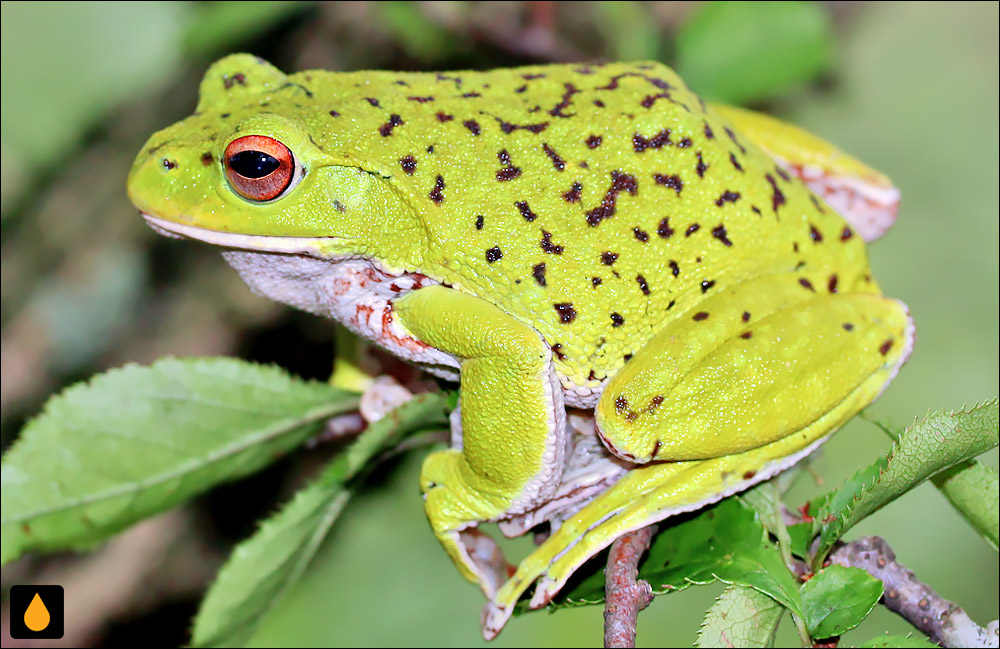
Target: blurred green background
[(911, 88)]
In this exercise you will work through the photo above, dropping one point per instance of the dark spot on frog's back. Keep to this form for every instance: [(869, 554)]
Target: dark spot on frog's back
[(480, 221), (620, 182), (230, 80), (556, 159), (846, 233), (538, 272), (608, 258), (673, 182), (437, 194), (594, 141), (719, 232), (700, 316), (777, 196), (473, 126), (565, 101), (707, 284), (444, 117), (526, 212), (372, 101), (409, 164), (640, 143), (573, 195), (709, 133), (509, 171), (386, 129), (207, 158), (643, 284), (701, 167), (565, 311), (169, 165), (727, 197), (548, 246), (664, 230), (494, 254), (815, 234), (640, 234), (617, 320), (885, 347)]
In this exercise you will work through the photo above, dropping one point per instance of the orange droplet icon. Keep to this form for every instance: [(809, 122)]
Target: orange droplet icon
[(36, 617)]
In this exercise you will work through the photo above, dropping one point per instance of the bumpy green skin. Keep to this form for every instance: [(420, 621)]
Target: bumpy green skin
[(601, 238), (587, 201)]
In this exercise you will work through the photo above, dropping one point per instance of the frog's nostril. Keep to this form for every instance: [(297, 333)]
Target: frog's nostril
[(169, 164)]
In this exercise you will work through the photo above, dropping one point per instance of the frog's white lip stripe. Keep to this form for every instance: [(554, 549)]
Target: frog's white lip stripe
[(258, 242)]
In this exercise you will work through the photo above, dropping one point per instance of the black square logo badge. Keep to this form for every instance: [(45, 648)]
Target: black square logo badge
[(36, 612)]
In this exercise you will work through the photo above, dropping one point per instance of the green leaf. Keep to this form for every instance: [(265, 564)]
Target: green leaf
[(837, 599), (628, 29), (138, 440), (740, 617), (417, 34), (262, 568), (903, 641), (725, 542), (216, 26), (745, 51), (941, 440), (972, 489)]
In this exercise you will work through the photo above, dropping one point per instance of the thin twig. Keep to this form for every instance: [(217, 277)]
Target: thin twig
[(625, 595), (944, 622)]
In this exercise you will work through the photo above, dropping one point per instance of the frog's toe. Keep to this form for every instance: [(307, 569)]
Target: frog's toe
[(485, 559), (493, 619)]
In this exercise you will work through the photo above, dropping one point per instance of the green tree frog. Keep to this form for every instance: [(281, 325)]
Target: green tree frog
[(650, 302)]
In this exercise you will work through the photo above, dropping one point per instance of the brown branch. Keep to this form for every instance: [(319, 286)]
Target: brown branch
[(624, 595), (944, 622)]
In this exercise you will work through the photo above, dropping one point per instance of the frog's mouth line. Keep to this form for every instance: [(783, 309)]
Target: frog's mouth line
[(258, 242)]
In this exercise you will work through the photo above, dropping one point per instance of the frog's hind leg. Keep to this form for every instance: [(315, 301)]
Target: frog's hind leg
[(725, 406), (642, 497), (865, 198)]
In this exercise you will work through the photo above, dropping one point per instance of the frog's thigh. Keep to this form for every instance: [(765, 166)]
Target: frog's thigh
[(757, 382), (866, 198), (513, 416)]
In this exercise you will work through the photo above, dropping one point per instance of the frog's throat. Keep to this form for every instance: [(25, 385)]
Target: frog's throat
[(313, 246)]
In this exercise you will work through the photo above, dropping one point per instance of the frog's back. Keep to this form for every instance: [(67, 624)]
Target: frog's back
[(595, 203)]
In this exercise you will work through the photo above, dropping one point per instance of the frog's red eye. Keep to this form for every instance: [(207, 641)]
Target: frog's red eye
[(258, 167)]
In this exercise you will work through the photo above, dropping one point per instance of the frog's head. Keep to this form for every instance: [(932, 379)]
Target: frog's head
[(244, 172)]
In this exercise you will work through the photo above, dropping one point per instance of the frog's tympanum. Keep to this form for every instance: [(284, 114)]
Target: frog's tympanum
[(651, 302)]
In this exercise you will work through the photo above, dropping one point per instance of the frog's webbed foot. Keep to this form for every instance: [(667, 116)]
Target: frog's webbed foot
[(645, 495)]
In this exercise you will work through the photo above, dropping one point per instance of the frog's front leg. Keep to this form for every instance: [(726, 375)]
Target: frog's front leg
[(513, 424)]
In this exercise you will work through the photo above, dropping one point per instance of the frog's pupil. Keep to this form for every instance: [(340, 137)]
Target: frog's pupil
[(253, 164)]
